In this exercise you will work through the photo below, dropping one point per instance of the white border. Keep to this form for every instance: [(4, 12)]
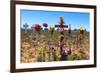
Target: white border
[(52, 64)]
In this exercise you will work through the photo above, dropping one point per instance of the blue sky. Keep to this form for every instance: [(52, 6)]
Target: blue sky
[(76, 19)]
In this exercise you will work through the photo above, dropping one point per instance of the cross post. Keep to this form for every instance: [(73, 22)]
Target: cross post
[(61, 26)]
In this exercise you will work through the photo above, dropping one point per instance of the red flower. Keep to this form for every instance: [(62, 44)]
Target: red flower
[(61, 20), (37, 27)]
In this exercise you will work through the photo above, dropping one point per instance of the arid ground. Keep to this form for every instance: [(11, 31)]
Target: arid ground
[(44, 47)]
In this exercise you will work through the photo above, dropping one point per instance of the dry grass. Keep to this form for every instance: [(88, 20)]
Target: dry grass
[(37, 47)]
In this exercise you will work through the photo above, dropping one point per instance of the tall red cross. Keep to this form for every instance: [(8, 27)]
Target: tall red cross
[(62, 26)]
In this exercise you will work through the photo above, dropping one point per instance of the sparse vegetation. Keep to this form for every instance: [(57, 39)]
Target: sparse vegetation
[(44, 46)]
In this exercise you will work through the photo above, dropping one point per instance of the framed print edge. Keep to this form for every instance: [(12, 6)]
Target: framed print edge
[(13, 35), (95, 36)]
